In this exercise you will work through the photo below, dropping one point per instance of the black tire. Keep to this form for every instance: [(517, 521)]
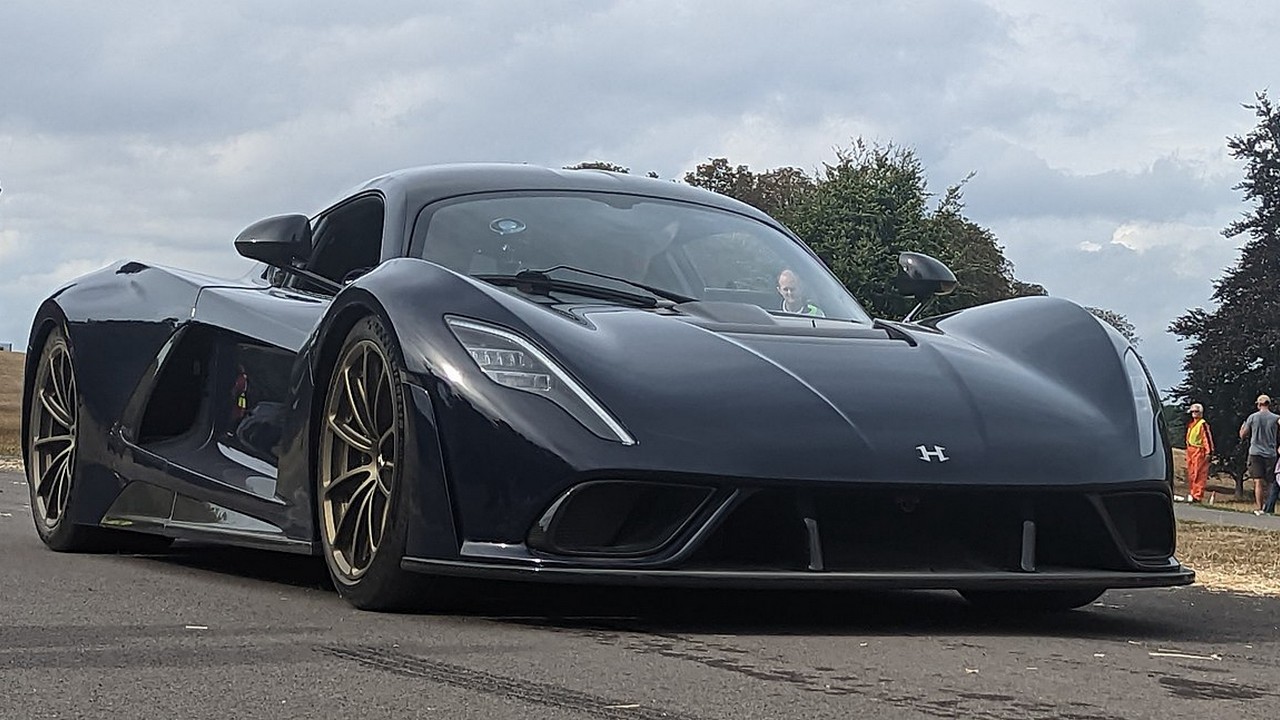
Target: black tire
[(363, 425), (53, 469), (1031, 602)]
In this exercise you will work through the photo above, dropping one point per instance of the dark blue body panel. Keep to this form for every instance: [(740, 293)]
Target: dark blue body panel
[(1028, 395)]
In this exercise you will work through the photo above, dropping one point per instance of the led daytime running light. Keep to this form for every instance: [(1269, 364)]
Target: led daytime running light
[(1142, 405), (527, 368)]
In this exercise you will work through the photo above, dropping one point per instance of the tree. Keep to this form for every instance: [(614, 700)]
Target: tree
[(1175, 424), (599, 165), (1117, 321), (868, 207), (1025, 289), (602, 165), (973, 254), (775, 192), (859, 212), (1233, 350)]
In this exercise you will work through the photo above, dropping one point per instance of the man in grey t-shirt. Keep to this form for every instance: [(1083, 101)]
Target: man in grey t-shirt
[(1260, 428)]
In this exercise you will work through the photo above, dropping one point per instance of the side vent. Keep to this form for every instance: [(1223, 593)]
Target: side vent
[(174, 404)]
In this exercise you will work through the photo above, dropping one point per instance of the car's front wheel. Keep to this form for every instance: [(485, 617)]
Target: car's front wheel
[(361, 488), (1031, 602)]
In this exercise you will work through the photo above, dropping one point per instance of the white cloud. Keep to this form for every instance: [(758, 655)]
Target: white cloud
[(10, 243), (1096, 129), (1150, 286), (1142, 236)]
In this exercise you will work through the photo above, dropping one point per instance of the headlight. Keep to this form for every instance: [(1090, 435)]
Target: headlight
[(510, 360), (1140, 386)]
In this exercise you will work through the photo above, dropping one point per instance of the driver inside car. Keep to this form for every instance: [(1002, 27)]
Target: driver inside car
[(793, 295)]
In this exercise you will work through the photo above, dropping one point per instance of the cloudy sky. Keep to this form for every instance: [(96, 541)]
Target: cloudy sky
[(156, 131)]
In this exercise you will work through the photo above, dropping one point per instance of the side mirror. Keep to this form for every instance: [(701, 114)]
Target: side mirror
[(923, 277), (276, 241)]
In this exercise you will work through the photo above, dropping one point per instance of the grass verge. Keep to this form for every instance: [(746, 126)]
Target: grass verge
[(1236, 559), (11, 402)]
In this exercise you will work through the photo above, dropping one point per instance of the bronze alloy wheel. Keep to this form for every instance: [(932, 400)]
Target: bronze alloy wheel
[(52, 450), (358, 442)]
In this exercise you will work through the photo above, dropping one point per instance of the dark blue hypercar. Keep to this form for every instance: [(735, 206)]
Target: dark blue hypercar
[(516, 373)]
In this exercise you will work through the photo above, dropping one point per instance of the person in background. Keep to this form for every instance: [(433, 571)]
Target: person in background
[(1199, 452), (1273, 494), (1260, 427)]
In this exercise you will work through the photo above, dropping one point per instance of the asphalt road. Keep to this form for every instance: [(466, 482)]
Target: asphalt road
[(211, 633)]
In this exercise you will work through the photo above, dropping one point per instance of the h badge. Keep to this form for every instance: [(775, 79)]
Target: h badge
[(938, 453)]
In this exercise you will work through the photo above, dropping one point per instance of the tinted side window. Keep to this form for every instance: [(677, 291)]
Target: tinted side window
[(348, 241)]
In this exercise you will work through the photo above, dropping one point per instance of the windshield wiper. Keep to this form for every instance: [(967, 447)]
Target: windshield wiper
[(542, 282)]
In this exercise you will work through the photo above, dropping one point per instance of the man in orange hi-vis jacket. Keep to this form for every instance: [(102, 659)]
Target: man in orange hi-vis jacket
[(1199, 448)]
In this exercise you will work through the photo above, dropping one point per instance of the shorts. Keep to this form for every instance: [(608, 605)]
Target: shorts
[(1260, 466)]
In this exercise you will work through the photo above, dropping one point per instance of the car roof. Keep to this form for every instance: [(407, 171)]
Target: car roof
[(419, 186)]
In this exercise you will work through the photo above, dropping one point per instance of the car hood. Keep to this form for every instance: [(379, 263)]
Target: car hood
[(833, 400)]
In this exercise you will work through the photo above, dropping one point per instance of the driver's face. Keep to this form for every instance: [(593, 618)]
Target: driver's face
[(789, 288)]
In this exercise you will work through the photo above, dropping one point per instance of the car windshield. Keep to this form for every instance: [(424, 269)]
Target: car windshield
[(681, 248)]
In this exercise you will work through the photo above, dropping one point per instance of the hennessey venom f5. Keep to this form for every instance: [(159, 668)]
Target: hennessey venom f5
[(518, 373)]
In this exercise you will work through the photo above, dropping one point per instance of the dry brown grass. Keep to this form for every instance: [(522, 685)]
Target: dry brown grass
[(11, 402), (1231, 558)]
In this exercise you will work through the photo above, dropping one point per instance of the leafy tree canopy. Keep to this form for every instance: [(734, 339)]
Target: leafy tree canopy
[(599, 165), (1233, 351), (602, 165), (1175, 424), (860, 211), (1117, 321)]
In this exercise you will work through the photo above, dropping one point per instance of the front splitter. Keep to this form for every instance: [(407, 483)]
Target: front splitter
[(767, 579)]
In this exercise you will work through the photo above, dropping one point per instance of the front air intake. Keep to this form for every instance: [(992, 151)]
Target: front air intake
[(616, 518), (1144, 521)]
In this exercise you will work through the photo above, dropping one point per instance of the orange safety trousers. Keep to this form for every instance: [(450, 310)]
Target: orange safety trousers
[(1197, 470)]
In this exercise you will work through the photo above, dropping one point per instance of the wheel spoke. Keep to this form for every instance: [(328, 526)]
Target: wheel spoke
[(56, 371), (351, 400), (356, 498), (385, 472), (353, 438), (59, 414), (363, 411), (376, 407), (373, 543), (66, 385), (62, 487), (332, 486), (346, 533), (57, 464), (54, 439)]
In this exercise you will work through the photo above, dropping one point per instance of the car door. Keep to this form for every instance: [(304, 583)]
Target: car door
[(262, 329)]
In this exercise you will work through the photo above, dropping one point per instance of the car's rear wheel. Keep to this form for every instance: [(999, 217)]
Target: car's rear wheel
[(52, 460), (361, 489), (51, 446), (1031, 602)]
